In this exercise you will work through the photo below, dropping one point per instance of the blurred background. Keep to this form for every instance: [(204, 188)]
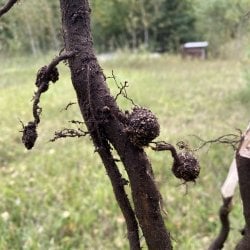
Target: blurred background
[(58, 196), (158, 26)]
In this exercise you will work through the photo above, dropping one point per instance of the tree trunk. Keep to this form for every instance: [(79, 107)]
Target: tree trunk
[(243, 165), (103, 120)]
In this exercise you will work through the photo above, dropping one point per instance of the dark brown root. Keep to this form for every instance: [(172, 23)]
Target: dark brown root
[(187, 167), (143, 126), (7, 7), (44, 77), (68, 105), (29, 135)]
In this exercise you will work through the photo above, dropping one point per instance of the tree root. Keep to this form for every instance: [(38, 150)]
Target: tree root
[(44, 76)]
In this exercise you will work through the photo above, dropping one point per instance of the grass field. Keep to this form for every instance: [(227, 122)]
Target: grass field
[(57, 196)]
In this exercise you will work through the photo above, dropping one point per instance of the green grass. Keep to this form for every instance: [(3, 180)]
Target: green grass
[(58, 196)]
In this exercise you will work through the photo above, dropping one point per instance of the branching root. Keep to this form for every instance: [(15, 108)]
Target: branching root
[(185, 165), (66, 132), (45, 75), (232, 140), (122, 87)]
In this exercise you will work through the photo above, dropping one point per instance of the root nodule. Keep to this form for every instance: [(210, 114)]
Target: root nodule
[(187, 167), (143, 126), (29, 135)]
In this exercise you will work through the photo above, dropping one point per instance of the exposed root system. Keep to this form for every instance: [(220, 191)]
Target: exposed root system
[(66, 132), (229, 139)]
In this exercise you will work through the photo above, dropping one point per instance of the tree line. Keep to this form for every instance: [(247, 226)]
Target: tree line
[(159, 25)]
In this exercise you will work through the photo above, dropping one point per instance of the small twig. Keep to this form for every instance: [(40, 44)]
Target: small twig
[(183, 145), (122, 88), (162, 206), (77, 122), (112, 77), (7, 7), (68, 105), (117, 160), (21, 124), (229, 139), (66, 132)]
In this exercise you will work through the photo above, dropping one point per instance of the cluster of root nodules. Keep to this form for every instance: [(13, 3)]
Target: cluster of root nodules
[(186, 166), (142, 126), (29, 135), (43, 78)]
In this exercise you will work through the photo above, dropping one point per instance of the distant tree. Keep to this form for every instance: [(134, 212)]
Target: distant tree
[(109, 24), (139, 21), (33, 32), (174, 25), (158, 25), (155, 25), (221, 22)]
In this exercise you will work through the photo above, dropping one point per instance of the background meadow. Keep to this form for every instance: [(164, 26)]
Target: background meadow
[(57, 196)]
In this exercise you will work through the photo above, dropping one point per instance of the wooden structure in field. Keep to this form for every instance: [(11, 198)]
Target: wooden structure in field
[(194, 50)]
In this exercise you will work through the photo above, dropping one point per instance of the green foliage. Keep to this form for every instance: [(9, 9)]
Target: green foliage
[(174, 25), (159, 25), (222, 22), (108, 23), (58, 196), (31, 26)]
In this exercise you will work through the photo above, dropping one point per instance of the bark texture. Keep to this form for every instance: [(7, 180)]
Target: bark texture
[(243, 166), (105, 123)]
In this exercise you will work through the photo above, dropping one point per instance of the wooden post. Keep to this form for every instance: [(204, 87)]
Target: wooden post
[(243, 166)]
